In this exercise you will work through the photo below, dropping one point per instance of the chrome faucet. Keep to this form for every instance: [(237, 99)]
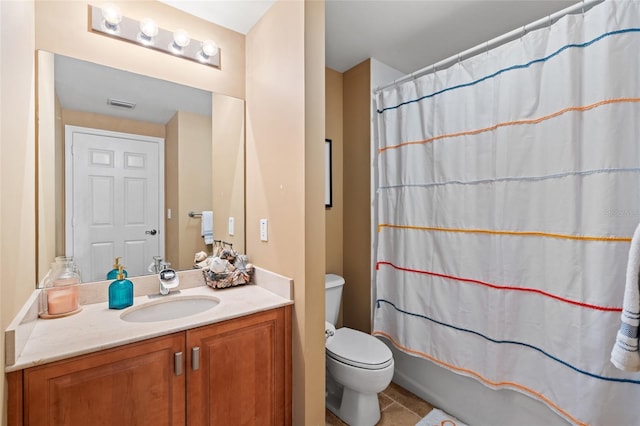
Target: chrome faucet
[(168, 279), (158, 265)]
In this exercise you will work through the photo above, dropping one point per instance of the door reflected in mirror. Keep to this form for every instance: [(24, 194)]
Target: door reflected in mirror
[(114, 196), (123, 159)]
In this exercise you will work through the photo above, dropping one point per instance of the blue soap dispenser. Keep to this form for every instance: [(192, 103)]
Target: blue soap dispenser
[(113, 274), (120, 291)]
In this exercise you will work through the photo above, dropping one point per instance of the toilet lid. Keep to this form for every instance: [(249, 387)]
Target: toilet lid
[(358, 349)]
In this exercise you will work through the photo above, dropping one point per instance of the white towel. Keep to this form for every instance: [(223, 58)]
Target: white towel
[(207, 226), (439, 418), (625, 355)]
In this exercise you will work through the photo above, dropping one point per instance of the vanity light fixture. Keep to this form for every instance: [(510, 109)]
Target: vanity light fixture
[(108, 20)]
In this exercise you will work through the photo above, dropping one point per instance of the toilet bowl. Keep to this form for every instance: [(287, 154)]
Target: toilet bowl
[(358, 367)]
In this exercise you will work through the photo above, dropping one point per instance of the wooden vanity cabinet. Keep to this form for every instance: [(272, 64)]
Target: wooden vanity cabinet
[(130, 385), (240, 371), (236, 372)]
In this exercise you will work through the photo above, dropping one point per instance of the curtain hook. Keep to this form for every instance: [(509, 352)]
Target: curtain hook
[(549, 21), (486, 48)]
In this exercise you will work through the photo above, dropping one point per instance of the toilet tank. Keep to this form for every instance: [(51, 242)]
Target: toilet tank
[(333, 294)]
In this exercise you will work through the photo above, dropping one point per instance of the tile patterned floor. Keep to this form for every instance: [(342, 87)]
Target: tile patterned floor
[(398, 407)]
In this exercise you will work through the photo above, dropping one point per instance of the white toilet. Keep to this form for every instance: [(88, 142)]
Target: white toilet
[(359, 366)]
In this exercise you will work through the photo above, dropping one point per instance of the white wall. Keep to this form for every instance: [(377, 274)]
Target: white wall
[(382, 74)]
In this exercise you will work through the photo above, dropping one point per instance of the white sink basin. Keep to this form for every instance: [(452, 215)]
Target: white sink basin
[(173, 307)]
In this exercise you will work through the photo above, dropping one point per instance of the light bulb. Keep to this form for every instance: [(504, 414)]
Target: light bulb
[(148, 30), (112, 16), (209, 48), (181, 39), (148, 27)]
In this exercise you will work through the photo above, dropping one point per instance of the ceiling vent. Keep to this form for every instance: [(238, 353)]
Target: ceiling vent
[(121, 104)]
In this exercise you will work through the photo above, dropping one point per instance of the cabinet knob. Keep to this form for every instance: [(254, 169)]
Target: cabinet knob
[(195, 358), (177, 363)]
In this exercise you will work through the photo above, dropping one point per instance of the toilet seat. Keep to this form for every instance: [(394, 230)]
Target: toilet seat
[(358, 349)]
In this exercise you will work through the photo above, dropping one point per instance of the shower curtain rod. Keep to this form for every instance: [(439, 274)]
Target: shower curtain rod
[(505, 38)]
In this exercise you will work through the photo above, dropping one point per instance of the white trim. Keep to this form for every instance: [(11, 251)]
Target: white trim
[(68, 178)]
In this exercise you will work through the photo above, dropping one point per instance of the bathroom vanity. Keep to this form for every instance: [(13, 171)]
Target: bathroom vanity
[(228, 365)]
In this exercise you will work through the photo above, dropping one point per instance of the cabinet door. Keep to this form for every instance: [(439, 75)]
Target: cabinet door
[(132, 385), (244, 372)]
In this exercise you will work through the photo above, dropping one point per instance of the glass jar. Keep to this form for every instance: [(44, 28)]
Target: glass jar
[(68, 262), (60, 292)]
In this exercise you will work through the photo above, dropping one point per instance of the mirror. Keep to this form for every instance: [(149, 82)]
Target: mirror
[(123, 159)]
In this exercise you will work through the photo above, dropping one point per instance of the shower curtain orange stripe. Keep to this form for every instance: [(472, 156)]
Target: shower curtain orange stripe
[(481, 378), (517, 233), (514, 123)]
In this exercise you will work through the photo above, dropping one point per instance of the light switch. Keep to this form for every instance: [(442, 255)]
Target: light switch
[(231, 226), (263, 229)]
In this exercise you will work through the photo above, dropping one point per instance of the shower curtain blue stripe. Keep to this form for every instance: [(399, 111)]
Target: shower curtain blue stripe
[(512, 68), (509, 342)]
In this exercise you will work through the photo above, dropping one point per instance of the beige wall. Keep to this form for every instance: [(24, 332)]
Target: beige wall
[(114, 124), (333, 215), (17, 164), (356, 300), (73, 39), (285, 134), (187, 185), (314, 217), (227, 160)]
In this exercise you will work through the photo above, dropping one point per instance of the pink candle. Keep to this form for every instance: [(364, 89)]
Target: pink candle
[(62, 300)]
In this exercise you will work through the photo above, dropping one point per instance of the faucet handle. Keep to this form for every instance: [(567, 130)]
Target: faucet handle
[(167, 274), (168, 280)]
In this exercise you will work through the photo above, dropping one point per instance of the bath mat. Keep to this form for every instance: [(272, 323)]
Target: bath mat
[(439, 418)]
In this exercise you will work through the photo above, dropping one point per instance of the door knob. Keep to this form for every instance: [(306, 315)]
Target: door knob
[(152, 232)]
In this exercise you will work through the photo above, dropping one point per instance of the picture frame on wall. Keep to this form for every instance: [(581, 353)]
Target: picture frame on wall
[(328, 189)]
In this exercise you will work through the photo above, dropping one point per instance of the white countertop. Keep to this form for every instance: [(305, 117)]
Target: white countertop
[(97, 327)]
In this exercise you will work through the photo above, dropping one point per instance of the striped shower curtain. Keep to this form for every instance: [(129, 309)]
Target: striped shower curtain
[(507, 192)]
